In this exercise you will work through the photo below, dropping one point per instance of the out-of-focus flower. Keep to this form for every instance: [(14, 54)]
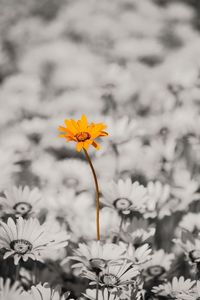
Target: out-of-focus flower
[(20, 201), (179, 289), (97, 256), (159, 264), (118, 127), (82, 133), (190, 245), (10, 292), (138, 231), (44, 292), (159, 202), (139, 255), (114, 276), (28, 239), (83, 224), (191, 222), (124, 196), (8, 167), (186, 189)]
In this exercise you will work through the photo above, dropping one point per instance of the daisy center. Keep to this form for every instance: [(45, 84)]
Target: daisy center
[(21, 246), (156, 270), (122, 203), (195, 255), (22, 208), (83, 136), (109, 280)]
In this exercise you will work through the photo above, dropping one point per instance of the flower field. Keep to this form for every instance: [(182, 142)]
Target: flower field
[(99, 150)]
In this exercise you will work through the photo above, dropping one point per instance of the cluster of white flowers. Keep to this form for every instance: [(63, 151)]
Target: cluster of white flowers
[(135, 66)]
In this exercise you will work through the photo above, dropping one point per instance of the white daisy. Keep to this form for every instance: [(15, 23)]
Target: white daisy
[(179, 288), (44, 292), (20, 201), (96, 255), (28, 239), (159, 264), (10, 292), (69, 173), (8, 167), (138, 231), (191, 222), (104, 294), (118, 127), (158, 200), (139, 255), (114, 276), (125, 196), (190, 246)]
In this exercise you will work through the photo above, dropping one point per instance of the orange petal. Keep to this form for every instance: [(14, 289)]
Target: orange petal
[(61, 128), (103, 133), (72, 126), (79, 146), (62, 135), (84, 122), (95, 145)]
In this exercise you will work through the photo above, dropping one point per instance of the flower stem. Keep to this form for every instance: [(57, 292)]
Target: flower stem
[(97, 193), (120, 228), (97, 288), (17, 272)]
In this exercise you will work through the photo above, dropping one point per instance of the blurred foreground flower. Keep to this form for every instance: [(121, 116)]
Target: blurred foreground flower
[(10, 292)]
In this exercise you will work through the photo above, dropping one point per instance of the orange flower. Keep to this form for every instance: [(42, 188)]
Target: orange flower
[(82, 133)]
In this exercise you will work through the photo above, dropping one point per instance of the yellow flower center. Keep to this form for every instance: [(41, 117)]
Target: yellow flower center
[(83, 136)]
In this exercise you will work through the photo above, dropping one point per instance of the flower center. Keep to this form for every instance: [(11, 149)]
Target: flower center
[(156, 271), (22, 208), (109, 280), (21, 246), (195, 256), (83, 136), (122, 203)]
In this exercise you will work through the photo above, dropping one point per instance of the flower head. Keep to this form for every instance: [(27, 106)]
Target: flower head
[(20, 201), (82, 133), (96, 255), (114, 276), (159, 264), (125, 196), (178, 289), (28, 239)]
